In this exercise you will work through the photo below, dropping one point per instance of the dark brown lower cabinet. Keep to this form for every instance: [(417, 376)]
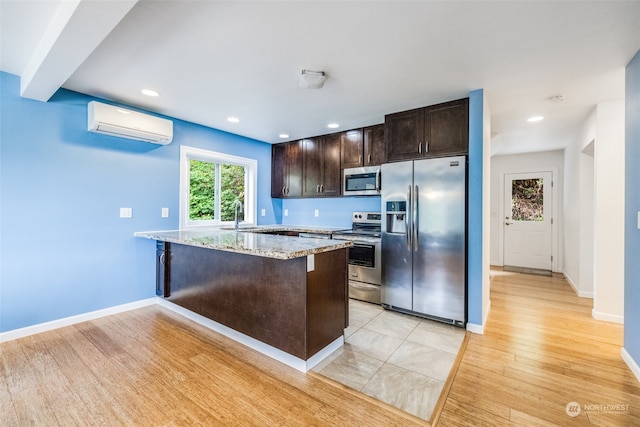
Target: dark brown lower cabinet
[(274, 301)]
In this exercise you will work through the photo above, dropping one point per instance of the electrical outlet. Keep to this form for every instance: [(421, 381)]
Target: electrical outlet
[(263, 212), (165, 212), (316, 213), (126, 212)]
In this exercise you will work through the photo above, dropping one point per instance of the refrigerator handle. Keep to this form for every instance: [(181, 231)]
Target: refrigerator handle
[(416, 215), (407, 222), (377, 177)]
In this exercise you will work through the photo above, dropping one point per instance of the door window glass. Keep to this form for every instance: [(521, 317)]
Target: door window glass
[(527, 199)]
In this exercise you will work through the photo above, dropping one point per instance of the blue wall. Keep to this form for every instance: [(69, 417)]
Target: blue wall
[(332, 212), (632, 207), (476, 185), (63, 248)]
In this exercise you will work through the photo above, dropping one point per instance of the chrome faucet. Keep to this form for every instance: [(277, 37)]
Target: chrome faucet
[(237, 205)]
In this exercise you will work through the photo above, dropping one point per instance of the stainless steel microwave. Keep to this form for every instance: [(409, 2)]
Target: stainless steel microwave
[(363, 181)]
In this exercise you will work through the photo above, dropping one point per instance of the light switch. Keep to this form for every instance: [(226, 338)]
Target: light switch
[(638, 220), (316, 213), (263, 212), (286, 212), (165, 212), (126, 212)]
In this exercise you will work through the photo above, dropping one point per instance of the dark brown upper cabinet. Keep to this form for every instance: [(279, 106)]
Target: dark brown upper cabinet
[(286, 170), (363, 147), (374, 151), (434, 131), (321, 165), (351, 149)]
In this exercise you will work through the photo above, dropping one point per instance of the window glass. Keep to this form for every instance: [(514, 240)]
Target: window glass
[(214, 186), (527, 199)]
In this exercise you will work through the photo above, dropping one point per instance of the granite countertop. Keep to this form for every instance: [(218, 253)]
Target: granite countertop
[(252, 240)]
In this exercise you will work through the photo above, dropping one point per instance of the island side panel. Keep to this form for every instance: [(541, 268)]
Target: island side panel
[(327, 301), (264, 298)]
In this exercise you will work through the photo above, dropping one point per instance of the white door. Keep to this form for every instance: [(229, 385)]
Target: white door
[(528, 220)]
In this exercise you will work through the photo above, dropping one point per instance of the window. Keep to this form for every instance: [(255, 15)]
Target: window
[(527, 199), (213, 185)]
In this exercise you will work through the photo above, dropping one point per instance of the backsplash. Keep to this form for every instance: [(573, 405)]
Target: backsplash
[(332, 212)]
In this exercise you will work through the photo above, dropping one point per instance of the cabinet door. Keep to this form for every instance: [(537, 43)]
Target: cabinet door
[(374, 152), (286, 169), (447, 128), (294, 169), (351, 149), (312, 166), (331, 174), (404, 135), (278, 170)]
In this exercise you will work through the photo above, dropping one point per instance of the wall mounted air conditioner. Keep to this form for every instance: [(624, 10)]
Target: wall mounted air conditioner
[(123, 123)]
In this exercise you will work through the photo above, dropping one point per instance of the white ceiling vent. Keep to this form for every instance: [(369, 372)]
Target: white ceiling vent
[(123, 123)]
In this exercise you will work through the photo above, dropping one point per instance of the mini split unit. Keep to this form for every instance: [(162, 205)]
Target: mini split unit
[(116, 121)]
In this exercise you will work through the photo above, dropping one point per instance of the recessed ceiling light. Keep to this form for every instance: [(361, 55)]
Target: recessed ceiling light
[(149, 92), (233, 119), (333, 125), (284, 135), (535, 119)]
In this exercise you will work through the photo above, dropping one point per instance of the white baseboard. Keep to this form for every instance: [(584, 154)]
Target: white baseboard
[(67, 321), (607, 317), (581, 294), (479, 329), (259, 346), (274, 353), (630, 363)]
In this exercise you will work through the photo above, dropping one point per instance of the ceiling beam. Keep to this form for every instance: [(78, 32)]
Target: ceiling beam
[(76, 30)]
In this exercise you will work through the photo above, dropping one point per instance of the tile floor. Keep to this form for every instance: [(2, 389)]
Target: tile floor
[(399, 359)]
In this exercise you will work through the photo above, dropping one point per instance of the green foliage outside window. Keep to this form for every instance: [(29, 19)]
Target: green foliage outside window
[(202, 190), (527, 200)]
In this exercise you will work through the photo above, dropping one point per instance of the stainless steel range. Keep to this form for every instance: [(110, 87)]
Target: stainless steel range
[(365, 273)]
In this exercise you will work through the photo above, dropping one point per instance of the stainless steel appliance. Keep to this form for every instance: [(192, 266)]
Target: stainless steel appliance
[(365, 272), (424, 267), (363, 181)]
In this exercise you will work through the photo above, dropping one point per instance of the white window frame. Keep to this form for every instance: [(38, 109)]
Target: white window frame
[(250, 185)]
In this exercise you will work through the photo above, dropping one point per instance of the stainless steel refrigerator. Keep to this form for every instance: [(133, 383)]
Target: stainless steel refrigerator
[(424, 263)]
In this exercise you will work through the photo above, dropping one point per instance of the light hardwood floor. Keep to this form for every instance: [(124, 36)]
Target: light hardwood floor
[(541, 350), (151, 367)]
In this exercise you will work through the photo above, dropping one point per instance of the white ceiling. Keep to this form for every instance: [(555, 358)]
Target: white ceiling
[(214, 59)]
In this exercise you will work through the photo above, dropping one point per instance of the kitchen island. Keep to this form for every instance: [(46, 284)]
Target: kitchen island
[(289, 293)]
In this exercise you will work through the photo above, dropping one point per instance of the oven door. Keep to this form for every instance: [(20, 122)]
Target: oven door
[(364, 262)]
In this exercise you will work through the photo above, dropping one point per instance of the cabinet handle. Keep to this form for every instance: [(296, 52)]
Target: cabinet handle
[(369, 159), (359, 160), (318, 189), (321, 188), (420, 148), (284, 191)]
